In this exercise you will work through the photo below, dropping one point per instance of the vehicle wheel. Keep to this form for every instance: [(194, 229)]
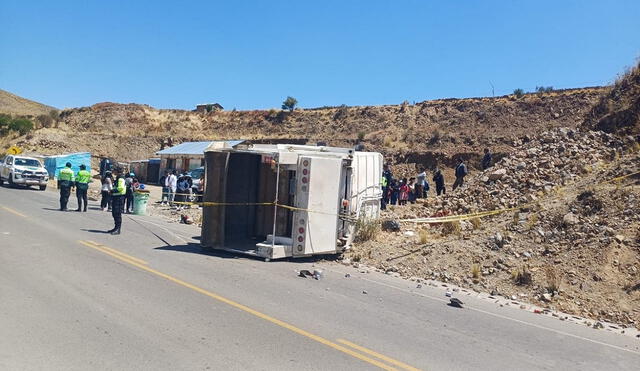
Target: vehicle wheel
[(42, 188), (1, 182), (11, 181)]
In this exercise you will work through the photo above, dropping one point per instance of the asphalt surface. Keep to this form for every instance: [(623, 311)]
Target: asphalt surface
[(75, 298)]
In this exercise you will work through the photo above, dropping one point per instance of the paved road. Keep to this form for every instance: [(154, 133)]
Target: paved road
[(74, 298)]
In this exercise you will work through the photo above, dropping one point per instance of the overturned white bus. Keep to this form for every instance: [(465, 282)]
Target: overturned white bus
[(276, 201)]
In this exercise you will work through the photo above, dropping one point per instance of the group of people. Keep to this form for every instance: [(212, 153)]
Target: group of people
[(403, 191), (68, 180), (178, 189), (131, 184), (114, 191)]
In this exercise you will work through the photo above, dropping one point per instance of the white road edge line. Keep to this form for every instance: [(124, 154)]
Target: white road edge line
[(507, 318)]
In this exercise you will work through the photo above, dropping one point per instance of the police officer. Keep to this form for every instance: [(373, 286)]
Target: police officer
[(65, 183), (82, 184), (117, 201)]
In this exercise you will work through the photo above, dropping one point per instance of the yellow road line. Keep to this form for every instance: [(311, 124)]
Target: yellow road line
[(14, 211), (119, 257), (127, 256), (246, 309), (378, 355)]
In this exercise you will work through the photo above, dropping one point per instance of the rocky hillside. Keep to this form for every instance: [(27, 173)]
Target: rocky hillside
[(14, 105), (619, 109), (429, 132), (572, 243)]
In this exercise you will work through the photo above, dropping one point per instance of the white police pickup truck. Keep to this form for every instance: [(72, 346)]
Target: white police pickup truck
[(22, 170)]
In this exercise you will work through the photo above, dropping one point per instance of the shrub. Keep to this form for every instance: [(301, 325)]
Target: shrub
[(290, 104), (21, 125), (544, 89), (518, 93), (361, 135), (423, 235), (533, 220), (272, 114), (522, 276), (55, 115), (475, 271), (341, 113), (366, 229), (5, 120), (451, 228), (436, 136), (45, 121), (553, 278), (387, 142), (476, 223)]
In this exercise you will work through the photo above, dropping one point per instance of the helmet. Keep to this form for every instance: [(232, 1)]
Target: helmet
[(68, 164)]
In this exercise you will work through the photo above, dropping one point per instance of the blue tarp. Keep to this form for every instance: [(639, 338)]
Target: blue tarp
[(53, 164)]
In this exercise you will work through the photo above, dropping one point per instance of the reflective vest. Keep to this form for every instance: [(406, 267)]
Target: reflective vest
[(119, 188), (383, 181), (83, 176), (66, 174)]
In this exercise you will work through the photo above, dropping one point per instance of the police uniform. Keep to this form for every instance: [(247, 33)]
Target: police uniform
[(65, 182), (117, 199), (82, 184)]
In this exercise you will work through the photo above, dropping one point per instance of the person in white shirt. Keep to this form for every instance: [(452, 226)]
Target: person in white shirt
[(173, 185)]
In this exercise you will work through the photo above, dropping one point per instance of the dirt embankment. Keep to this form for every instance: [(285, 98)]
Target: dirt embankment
[(618, 111), (430, 132), (572, 243)]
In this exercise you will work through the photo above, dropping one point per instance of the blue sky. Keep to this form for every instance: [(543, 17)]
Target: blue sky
[(252, 54)]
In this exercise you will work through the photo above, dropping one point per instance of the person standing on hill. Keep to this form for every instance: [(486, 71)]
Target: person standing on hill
[(117, 201), (438, 179), (386, 183), (486, 160), (82, 185), (461, 172), (65, 183), (422, 185), (412, 190), (403, 192)]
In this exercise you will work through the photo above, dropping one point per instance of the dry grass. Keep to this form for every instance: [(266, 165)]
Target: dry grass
[(450, 228), (423, 236), (387, 142), (522, 276), (532, 221), (475, 271), (553, 277), (476, 222), (15, 105), (366, 230)]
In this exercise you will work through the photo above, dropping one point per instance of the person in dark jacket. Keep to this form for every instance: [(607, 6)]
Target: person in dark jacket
[(117, 201), (185, 184), (461, 172), (388, 176), (128, 197), (486, 160), (394, 190), (438, 179)]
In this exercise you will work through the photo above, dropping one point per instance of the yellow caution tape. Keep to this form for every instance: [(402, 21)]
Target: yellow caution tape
[(427, 220), (621, 177)]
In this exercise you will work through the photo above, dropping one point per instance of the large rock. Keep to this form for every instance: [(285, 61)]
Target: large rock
[(498, 174), (570, 219), (390, 226)]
